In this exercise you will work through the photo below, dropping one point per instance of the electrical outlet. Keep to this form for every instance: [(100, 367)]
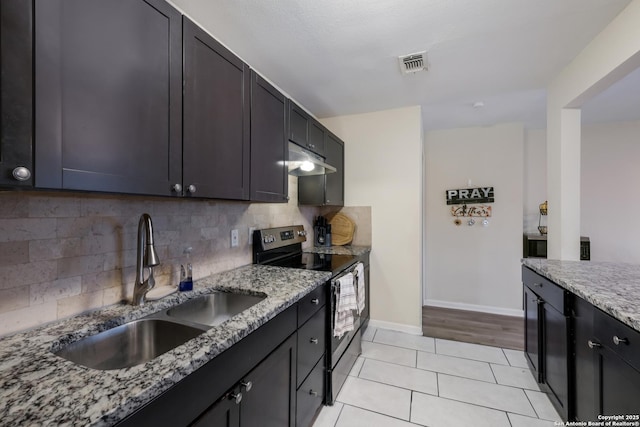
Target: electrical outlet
[(234, 238), (251, 230)]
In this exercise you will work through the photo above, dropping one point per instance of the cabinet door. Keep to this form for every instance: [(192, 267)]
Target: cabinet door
[(619, 385), (224, 413), (585, 361), (269, 174), (532, 335), (298, 124), (16, 95), (555, 356), (316, 137), (271, 400), (216, 118), (334, 182), (108, 95)]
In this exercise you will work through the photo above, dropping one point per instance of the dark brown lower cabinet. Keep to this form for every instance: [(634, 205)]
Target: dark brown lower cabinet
[(619, 384), (262, 398), (585, 353), (548, 337), (587, 362)]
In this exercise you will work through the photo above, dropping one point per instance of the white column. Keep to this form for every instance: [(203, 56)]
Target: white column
[(563, 183)]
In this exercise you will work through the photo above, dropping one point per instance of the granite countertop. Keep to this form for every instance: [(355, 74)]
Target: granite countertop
[(40, 388), (339, 250), (612, 287)]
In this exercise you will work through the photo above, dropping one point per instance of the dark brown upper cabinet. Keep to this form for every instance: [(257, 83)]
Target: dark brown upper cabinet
[(269, 149), (216, 144), (304, 130), (334, 182), (16, 94), (325, 190), (108, 96)]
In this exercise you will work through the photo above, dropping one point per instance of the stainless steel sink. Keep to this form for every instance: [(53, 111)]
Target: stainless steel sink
[(213, 309), (128, 345)]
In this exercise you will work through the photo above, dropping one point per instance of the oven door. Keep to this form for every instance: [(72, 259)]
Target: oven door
[(343, 351)]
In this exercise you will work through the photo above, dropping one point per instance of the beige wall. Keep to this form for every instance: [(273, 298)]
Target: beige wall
[(383, 162), (475, 267), (65, 253)]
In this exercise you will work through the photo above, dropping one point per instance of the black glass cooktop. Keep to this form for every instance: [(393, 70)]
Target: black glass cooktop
[(319, 262)]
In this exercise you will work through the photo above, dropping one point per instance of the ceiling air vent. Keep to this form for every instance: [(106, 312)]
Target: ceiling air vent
[(413, 63)]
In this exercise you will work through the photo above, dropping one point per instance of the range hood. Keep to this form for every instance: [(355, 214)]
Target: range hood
[(303, 162)]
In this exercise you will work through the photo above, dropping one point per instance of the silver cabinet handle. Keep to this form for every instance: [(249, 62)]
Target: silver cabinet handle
[(593, 345), (21, 173), (315, 301), (177, 188), (236, 397), (537, 285), (246, 385), (313, 393), (313, 340), (191, 188), (539, 301), (617, 340)]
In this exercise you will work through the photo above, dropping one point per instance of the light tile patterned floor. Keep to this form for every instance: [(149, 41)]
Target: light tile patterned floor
[(403, 380)]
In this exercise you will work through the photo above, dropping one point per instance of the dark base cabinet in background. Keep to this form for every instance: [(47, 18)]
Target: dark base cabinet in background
[(587, 362), (547, 337)]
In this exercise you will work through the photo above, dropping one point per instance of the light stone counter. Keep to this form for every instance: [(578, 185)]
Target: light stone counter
[(612, 287), (39, 388)]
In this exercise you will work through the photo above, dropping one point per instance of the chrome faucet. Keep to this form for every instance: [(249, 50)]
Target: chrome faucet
[(147, 258)]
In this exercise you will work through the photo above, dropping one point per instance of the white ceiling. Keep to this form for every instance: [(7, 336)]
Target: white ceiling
[(339, 57)]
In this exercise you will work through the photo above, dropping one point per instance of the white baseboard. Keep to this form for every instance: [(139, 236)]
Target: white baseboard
[(400, 327), (473, 307)]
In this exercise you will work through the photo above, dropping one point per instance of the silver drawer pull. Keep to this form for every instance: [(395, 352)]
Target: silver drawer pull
[(236, 397), (246, 385), (313, 393), (617, 340), (315, 301), (538, 285), (593, 345), (313, 340)]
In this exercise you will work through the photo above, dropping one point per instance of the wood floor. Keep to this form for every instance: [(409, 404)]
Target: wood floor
[(472, 326)]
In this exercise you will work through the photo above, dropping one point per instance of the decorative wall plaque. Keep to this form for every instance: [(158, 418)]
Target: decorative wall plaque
[(470, 195)]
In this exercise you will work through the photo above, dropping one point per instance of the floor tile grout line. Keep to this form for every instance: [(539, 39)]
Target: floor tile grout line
[(338, 417), (442, 373), (494, 374), (481, 406), (532, 405), (369, 410), (400, 346)]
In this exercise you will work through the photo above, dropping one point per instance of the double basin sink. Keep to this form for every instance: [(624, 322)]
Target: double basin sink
[(142, 340)]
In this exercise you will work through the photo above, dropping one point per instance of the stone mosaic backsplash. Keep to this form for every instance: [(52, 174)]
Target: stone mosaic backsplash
[(65, 253)]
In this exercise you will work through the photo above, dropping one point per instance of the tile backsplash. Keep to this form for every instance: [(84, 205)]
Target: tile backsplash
[(65, 253)]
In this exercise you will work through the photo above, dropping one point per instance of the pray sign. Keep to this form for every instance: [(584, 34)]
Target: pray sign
[(470, 195)]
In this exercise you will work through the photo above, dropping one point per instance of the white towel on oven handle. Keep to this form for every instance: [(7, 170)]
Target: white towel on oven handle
[(345, 304), (360, 292)]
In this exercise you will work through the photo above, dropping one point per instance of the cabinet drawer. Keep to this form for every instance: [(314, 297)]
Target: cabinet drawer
[(311, 343), (308, 305), (310, 396), (606, 328), (551, 293)]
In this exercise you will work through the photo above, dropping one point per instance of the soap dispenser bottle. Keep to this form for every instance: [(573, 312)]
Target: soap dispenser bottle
[(186, 273)]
